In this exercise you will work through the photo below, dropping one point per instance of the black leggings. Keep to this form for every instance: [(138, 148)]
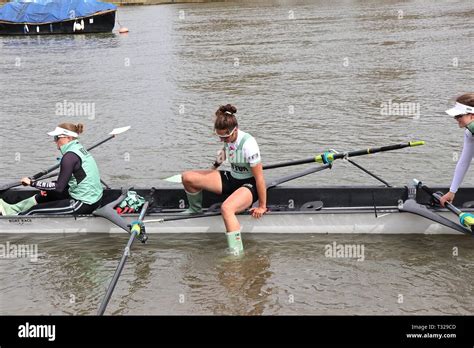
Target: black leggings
[(59, 204)]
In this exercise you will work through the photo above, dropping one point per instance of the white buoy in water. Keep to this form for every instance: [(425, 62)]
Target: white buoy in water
[(123, 30)]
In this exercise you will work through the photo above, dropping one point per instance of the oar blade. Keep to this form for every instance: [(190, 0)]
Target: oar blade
[(175, 179), (411, 206), (121, 130)]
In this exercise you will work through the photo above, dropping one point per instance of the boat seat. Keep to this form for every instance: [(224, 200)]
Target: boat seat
[(469, 204), (312, 206)]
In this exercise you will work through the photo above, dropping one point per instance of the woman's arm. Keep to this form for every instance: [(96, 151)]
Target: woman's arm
[(69, 162), (461, 168), (220, 158), (464, 162), (257, 172)]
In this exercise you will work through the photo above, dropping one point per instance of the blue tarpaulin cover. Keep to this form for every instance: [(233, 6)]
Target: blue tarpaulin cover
[(47, 11)]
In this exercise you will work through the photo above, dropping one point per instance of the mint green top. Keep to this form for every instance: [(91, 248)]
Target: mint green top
[(240, 167), (90, 189)]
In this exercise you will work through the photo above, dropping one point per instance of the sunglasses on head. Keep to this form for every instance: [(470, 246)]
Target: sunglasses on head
[(227, 135)]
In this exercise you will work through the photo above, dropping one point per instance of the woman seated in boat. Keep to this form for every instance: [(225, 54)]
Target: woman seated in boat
[(77, 190), (244, 183), (463, 113)]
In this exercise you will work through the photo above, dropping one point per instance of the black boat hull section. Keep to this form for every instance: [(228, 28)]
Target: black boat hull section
[(103, 22), (280, 198)]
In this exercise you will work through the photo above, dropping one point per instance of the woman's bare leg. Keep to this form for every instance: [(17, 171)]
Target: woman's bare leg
[(237, 202), (197, 180)]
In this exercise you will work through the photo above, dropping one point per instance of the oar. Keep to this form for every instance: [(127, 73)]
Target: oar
[(270, 185), (44, 172), (108, 212), (466, 218), (51, 175), (334, 156), (297, 175), (411, 206), (365, 170), (135, 231), (329, 155)]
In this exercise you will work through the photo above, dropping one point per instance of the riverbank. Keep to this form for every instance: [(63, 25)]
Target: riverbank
[(158, 2), (149, 2)]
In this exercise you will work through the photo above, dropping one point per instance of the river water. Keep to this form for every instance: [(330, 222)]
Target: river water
[(306, 76)]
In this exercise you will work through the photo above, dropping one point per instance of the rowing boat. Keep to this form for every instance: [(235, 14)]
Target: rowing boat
[(342, 209), (48, 17)]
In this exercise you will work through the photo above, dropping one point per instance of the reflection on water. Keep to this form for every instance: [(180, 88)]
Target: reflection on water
[(279, 274), (315, 80)]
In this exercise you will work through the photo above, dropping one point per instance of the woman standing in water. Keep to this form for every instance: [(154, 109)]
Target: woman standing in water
[(245, 182)]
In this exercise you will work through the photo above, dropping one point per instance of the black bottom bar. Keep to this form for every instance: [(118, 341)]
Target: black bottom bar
[(205, 330)]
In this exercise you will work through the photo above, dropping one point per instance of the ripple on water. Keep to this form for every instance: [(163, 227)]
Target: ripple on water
[(314, 82)]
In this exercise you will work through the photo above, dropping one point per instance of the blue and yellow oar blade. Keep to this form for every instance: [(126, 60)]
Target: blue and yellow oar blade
[(466, 219)]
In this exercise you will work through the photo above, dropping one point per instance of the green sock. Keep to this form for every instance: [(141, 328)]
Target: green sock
[(195, 203), (15, 209), (234, 240)]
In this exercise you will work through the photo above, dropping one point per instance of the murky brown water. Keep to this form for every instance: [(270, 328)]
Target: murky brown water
[(279, 274), (305, 76)]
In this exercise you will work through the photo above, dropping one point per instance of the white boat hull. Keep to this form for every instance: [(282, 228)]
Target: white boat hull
[(329, 221), (345, 210)]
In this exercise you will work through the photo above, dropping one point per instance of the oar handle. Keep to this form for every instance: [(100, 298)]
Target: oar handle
[(466, 219), (44, 172), (437, 196)]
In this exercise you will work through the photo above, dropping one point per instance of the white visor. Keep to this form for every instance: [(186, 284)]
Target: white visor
[(62, 131), (460, 109)]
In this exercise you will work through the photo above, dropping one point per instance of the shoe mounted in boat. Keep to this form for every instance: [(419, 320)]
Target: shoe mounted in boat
[(195, 203)]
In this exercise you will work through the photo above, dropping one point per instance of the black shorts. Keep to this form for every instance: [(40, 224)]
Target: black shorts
[(231, 184)]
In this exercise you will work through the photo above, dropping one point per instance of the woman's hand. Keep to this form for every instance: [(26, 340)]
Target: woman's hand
[(448, 197), (26, 181), (258, 212)]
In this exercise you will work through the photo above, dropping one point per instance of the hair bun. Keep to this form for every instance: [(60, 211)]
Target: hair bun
[(228, 109), (79, 128)]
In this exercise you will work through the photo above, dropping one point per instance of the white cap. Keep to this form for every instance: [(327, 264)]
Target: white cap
[(62, 131), (460, 109)]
